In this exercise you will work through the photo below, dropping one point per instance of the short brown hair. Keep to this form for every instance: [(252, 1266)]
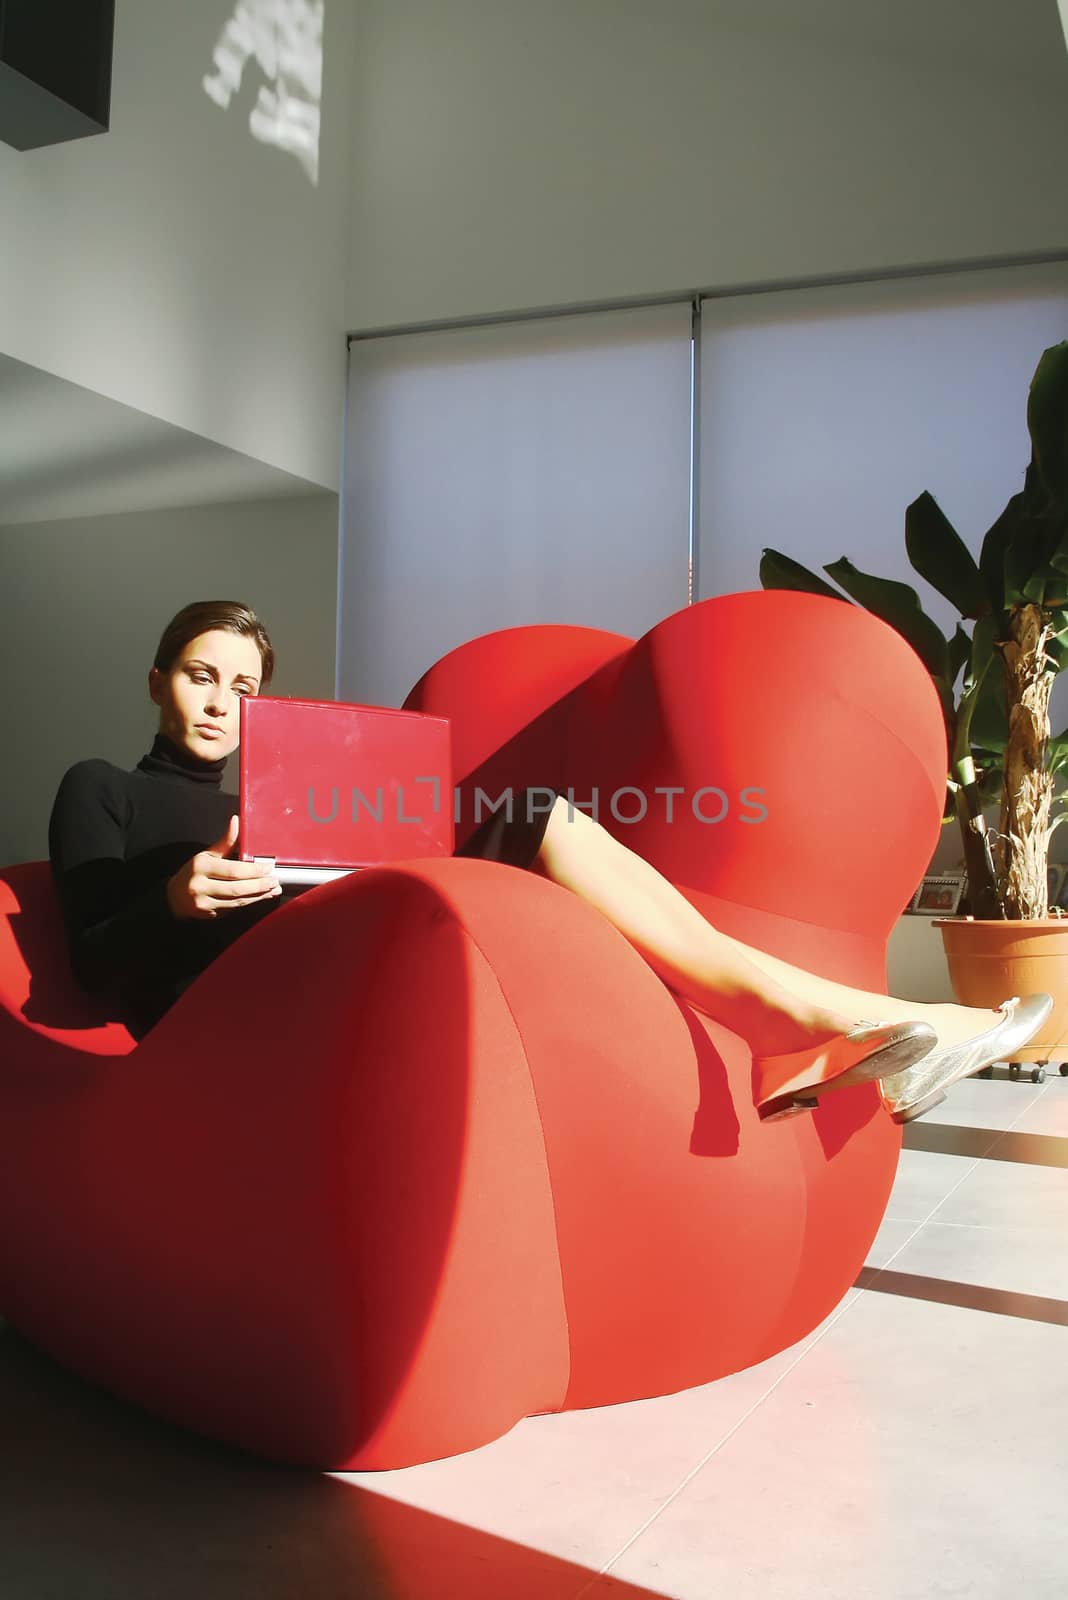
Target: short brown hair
[(202, 616)]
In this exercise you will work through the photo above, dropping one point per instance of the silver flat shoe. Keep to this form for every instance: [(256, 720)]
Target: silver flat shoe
[(909, 1094), (793, 1082)]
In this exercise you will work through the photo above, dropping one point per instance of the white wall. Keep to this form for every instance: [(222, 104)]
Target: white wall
[(177, 265), (513, 155), (86, 602)]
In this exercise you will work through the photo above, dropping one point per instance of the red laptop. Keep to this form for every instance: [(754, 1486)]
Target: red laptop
[(327, 787)]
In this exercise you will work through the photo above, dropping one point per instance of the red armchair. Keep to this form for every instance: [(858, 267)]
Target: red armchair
[(432, 1148)]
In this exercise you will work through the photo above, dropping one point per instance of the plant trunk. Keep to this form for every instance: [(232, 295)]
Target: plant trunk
[(1023, 843)]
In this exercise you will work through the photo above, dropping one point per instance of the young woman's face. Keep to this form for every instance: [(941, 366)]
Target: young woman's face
[(199, 699)]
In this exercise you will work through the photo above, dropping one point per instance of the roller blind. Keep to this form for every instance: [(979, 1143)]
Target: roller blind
[(498, 475), (824, 413)]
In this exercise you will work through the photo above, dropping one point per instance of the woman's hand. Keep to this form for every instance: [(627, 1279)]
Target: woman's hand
[(209, 883)]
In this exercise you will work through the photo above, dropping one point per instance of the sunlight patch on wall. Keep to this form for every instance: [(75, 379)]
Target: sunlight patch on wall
[(285, 38)]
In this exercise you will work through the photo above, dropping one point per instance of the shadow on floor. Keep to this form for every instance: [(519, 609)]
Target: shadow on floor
[(99, 1501), (988, 1144), (974, 1296)]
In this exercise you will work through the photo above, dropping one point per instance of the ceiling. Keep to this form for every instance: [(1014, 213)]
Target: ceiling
[(68, 452)]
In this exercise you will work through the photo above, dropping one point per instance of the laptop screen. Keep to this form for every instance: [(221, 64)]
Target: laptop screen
[(324, 783)]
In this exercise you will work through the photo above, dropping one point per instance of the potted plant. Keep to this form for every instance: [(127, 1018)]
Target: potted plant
[(1009, 645)]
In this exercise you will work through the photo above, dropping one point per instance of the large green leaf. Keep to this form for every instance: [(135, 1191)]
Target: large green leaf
[(1048, 586), (1025, 567), (1057, 751), (989, 729), (899, 605), (1024, 558), (1057, 588), (1017, 527), (997, 541), (1057, 651), (1047, 420), (979, 696), (1057, 643), (940, 555), (982, 656), (778, 571), (960, 650)]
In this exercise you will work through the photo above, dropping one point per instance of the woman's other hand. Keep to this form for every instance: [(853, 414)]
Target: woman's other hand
[(210, 883)]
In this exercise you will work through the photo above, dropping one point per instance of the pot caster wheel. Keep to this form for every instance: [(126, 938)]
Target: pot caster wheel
[(1063, 1069), (1038, 1074), (1014, 1070)]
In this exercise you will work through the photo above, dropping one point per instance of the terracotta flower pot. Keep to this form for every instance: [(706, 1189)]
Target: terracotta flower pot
[(990, 960)]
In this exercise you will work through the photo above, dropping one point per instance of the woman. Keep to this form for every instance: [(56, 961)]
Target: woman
[(150, 896)]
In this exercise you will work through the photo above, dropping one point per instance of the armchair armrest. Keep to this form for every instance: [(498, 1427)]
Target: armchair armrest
[(388, 1178)]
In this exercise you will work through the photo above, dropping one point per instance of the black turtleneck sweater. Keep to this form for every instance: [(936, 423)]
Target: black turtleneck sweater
[(114, 839)]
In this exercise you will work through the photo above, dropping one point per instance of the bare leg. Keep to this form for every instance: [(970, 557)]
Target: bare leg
[(775, 1006)]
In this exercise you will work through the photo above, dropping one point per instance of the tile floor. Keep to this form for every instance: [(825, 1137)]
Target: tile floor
[(915, 1445)]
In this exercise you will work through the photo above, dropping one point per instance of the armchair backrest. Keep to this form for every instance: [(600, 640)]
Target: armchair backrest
[(805, 735)]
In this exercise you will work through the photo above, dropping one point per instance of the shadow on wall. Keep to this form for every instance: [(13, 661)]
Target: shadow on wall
[(285, 39)]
